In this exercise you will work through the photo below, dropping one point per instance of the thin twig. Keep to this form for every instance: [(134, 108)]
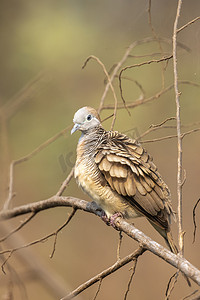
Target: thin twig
[(139, 65), (124, 58), (107, 118), (98, 290), (19, 227), (55, 233), (149, 55), (159, 43), (37, 269), (119, 245), (170, 137), (192, 294), (139, 101), (187, 24), (130, 279), (109, 82), (171, 287), (59, 229), (194, 220), (5, 261), (139, 85), (27, 157), (155, 127), (179, 138), (65, 183), (118, 66), (105, 273)]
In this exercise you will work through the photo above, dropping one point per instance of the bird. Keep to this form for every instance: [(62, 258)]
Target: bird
[(120, 176)]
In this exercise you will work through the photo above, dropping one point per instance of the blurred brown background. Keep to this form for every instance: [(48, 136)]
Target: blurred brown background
[(43, 47)]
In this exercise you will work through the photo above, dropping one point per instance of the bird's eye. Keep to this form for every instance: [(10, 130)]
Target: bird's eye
[(89, 117)]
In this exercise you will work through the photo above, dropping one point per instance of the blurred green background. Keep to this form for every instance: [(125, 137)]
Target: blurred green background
[(43, 47)]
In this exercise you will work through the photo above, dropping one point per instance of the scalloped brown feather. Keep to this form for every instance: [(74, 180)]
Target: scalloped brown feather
[(120, 176)]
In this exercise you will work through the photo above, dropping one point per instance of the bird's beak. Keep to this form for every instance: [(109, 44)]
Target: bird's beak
[(75, 128)]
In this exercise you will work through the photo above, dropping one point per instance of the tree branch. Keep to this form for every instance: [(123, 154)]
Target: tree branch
[(178, 262), (109, 82), (27, 157), (179, 138), (122, 262)]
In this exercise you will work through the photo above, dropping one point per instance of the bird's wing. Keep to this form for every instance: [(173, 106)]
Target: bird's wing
[(130, 172)]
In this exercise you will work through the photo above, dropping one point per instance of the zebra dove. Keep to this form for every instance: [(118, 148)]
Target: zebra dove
[(120, 176)]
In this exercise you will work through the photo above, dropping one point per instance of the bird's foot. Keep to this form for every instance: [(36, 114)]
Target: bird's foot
[(105, 218), (99, 211), (113, 218), (110, 221)]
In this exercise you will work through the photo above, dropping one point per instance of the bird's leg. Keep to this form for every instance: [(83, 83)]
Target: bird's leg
[(113, 218), (99, 211), (105, 218), (110, 221)]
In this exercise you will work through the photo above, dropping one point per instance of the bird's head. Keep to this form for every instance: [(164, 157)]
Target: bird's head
[(86, 118)]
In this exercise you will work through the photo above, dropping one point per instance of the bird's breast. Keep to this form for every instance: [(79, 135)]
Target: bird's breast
[(86, 176), (93, 183)]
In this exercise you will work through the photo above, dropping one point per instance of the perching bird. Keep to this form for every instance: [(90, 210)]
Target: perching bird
[(119, 175)]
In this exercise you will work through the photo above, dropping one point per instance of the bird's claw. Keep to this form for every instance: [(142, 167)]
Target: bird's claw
[(110, 221), (105, 218), (113, 219)]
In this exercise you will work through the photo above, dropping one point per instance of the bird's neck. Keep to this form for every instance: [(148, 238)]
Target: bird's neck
[(91, 139)]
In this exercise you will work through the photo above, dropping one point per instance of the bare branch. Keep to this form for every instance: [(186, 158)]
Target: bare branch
[(159, 42), (171, 137), (149, 55), (119, 245), (119, 65), (130, 279), (170, 288), (155, 127), (178, 123), (19, 227), (56, 285), (27, 157), (187, 24), (175, 260), (142, 96), (109, 82), (194, 220), (139, 101), (139, 65), (65, 183), (192, 294), (36, 207), (105, 273), (189, 132), (98, 290), (60, 228), (125, 57), (55, 233)]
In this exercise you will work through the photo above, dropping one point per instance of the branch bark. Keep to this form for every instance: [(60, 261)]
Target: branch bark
[(179, 138), (175, 260)]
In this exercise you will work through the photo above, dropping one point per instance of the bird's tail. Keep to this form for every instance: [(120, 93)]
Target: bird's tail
[(167, 235), (170, 242)]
